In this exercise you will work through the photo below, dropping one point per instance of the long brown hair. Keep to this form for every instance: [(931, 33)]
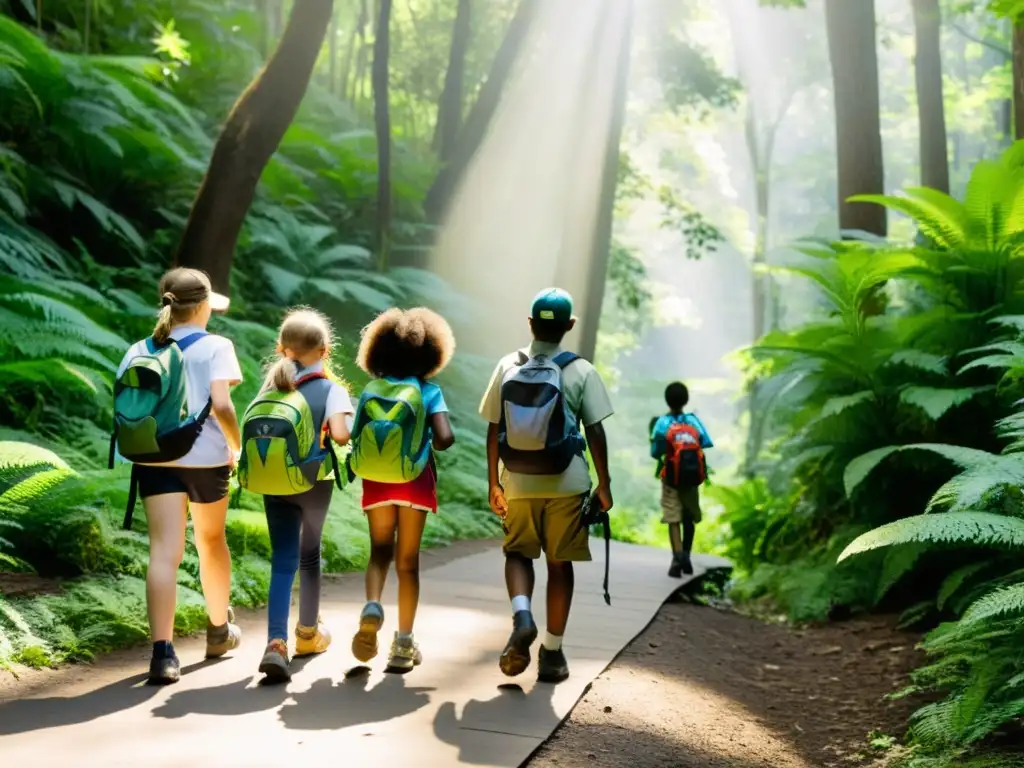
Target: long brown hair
[(182, 292), (304, 330)]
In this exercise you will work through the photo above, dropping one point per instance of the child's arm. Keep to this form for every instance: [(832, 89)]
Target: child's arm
[(658, 445), (444, 438), (337, 425), (339, 412), (440, 425)]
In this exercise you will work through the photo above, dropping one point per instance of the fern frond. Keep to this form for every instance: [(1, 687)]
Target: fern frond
[(978, 529), (967, 489), (858, 470), (952, 583), (1005, 601), (922, 361), (944, 223), (936, 401), (899, 561)]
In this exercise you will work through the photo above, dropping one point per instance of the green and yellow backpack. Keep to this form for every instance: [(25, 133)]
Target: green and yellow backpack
[(390, 435), (282, 453)]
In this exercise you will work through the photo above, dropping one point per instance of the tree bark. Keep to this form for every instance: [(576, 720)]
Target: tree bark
[(250, 137), (851, 42), (1018, 79), (382, 122), (483, 109), (449, 110), (360, 78), (931, 111)]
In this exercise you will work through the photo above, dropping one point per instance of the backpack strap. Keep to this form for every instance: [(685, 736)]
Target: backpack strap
[(316, 397), (565, 359), (522, 358), (189, 340), (133, 492)]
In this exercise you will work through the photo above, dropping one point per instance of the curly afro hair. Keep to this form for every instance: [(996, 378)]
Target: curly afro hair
[(406, 343)]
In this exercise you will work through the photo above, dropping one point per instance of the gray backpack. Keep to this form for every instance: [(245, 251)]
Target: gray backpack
[(537, 434)]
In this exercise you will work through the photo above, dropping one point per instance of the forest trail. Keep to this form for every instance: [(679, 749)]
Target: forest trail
[(457, 709)]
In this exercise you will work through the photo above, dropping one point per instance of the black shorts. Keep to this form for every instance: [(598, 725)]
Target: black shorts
[(204, 485)]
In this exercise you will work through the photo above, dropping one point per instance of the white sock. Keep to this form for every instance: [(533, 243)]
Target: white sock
[(520, 603), (552, 642)]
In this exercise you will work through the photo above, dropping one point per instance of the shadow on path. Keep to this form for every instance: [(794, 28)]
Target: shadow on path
[(329, 706), (24, 715), (512, 712)]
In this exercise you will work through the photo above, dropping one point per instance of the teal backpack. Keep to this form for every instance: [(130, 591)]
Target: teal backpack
[(390, 437), (281, 451), (152, 424)]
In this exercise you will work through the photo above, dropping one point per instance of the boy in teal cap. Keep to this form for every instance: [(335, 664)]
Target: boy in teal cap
[(535, 403)]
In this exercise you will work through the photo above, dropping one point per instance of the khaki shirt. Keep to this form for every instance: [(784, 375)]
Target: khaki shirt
[(585, 395)]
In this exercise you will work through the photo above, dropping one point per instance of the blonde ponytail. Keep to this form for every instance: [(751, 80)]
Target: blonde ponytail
[(281, 375), (162, 331)]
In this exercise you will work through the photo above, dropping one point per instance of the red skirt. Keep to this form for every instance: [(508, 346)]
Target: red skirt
[(420, 493)]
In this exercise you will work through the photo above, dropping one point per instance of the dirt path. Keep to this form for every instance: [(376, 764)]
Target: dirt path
[(703, 688)]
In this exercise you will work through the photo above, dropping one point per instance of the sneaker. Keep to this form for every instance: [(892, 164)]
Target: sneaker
[(164, 671), (274, 664), (552, 666), (515, 659), (405, 654), (220, 640), (675, 570), (364, 644), (685, 563), (311, 640)]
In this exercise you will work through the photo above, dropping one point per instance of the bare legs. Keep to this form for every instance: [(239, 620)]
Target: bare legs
[(214, 558), (395, 535), (166, 515), (520, 579)]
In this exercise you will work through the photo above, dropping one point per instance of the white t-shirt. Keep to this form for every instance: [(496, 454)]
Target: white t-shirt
[(338, 399), (210, 359)]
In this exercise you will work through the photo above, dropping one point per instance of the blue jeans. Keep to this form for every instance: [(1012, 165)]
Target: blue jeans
[(296, 525)]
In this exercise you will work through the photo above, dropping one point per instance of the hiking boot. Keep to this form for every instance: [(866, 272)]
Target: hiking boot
[(551, 666), (364, 644), (220, 640), (274, 664), (405, 654), (675, 570), (515, 659), (685, 563), (311, 640), (164, 670)]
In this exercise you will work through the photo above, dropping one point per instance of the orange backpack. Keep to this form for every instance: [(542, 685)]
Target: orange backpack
[(684, 457)]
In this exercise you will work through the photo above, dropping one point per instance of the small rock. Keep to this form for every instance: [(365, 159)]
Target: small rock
[(654, 645), (607, 710), (897, 649)]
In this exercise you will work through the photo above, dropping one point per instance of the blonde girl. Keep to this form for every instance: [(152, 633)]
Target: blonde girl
[(197, 483), (296, 522)]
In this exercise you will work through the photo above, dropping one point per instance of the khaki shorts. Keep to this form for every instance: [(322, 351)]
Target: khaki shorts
[(551, 526), (679, 504)]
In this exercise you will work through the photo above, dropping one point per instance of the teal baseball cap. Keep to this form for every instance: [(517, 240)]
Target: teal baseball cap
[(552, 304)]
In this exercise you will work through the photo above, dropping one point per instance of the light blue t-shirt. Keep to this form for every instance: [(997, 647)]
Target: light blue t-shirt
[(661, 426)]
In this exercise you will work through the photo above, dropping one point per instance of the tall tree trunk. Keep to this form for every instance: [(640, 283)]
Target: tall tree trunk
[(1018, 79), (346, 70), (249, 138), (382, 122), (483, 109), (931, 111), (87, 26), (360, 78), (332, 54), (449, 109), (606, 212), (851, 44)]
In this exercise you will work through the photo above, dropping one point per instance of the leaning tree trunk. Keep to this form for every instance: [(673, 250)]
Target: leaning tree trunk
[(483, 109), (382, 122), (851, 43), (1018, 79), (931, 111), (332, 55), (449, 110), (250, 137)]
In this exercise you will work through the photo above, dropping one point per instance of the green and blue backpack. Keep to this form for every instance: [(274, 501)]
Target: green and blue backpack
[(281, 451), (390, 435), (152, 424)]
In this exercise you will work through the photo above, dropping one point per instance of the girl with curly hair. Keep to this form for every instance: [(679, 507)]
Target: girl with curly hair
[(401, 419)]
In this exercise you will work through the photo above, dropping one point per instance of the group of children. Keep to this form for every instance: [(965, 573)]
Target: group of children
[(303, 436)]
